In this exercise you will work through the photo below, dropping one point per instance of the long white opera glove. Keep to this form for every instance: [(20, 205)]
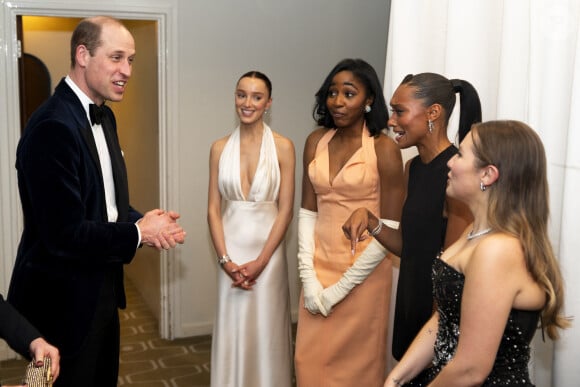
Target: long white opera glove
[(310, 284), (357, 273)]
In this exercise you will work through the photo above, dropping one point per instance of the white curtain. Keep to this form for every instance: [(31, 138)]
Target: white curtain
[(523, 57)]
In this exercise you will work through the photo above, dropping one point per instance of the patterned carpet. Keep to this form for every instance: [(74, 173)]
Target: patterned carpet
[(146, 360)]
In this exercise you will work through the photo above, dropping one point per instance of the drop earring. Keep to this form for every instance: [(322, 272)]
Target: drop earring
[(431, 126), (482, 186)]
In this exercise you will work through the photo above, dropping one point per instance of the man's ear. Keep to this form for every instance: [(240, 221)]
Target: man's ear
[(82, 55)]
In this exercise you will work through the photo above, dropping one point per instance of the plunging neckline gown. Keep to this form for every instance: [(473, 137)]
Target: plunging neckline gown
[(347, 348), (251, 344)]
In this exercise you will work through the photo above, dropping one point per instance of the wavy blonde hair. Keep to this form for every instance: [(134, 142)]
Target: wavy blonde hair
[(518, 204)]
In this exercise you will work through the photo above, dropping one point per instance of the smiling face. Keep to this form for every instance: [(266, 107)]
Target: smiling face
[(252, 99), (409, 118), (346, 100), (107, 71)]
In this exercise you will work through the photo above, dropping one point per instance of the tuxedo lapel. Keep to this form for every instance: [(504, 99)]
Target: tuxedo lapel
[(118, 166), (87, 133), (78, 114)]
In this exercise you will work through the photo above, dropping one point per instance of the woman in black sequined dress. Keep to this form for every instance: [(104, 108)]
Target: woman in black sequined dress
[(495, 283)]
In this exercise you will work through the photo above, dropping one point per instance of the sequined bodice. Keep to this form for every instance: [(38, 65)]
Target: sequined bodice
[(511, 363)]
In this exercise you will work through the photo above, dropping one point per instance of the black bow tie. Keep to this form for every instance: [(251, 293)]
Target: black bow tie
[(96, 113)]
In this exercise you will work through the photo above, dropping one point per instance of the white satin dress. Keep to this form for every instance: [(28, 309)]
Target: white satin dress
[(251, 344)]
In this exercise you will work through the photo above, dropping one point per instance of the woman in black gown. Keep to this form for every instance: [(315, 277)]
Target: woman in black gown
[(422, 106)]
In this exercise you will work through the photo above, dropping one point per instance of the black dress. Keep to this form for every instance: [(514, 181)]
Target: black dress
[(511, 363), (423, 226)]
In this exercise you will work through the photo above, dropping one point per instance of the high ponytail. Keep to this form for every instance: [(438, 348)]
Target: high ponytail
[(470, 106), (434, 88)]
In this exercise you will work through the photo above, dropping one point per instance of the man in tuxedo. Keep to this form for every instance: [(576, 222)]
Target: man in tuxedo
[(79, 229)]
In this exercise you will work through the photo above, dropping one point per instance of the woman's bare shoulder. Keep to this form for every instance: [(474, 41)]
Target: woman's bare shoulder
[(220, 143), (501, 251), (283, 142)]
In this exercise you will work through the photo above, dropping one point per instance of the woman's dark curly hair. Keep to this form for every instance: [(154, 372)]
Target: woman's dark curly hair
[(376, 119)]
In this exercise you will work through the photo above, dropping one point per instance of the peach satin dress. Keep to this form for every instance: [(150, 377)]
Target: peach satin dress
[(347, 348)]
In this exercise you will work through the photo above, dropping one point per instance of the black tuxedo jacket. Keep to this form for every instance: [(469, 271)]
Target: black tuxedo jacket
[(69, 255)]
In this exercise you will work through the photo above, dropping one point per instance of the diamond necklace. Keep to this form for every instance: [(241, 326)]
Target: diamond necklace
[(471, 235)]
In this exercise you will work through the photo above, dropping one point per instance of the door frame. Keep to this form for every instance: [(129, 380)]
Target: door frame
[(10, 211)]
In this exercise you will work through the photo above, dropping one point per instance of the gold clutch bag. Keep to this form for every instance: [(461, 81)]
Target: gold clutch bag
[(38, 376)]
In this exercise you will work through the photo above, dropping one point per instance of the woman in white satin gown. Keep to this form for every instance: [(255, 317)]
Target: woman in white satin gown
[(251, 195)]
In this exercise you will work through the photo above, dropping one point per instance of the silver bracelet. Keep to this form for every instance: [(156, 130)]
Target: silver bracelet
[(377, 230), (224, 259)]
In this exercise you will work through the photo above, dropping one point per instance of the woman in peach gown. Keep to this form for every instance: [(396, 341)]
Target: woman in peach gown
[(348, 163)]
